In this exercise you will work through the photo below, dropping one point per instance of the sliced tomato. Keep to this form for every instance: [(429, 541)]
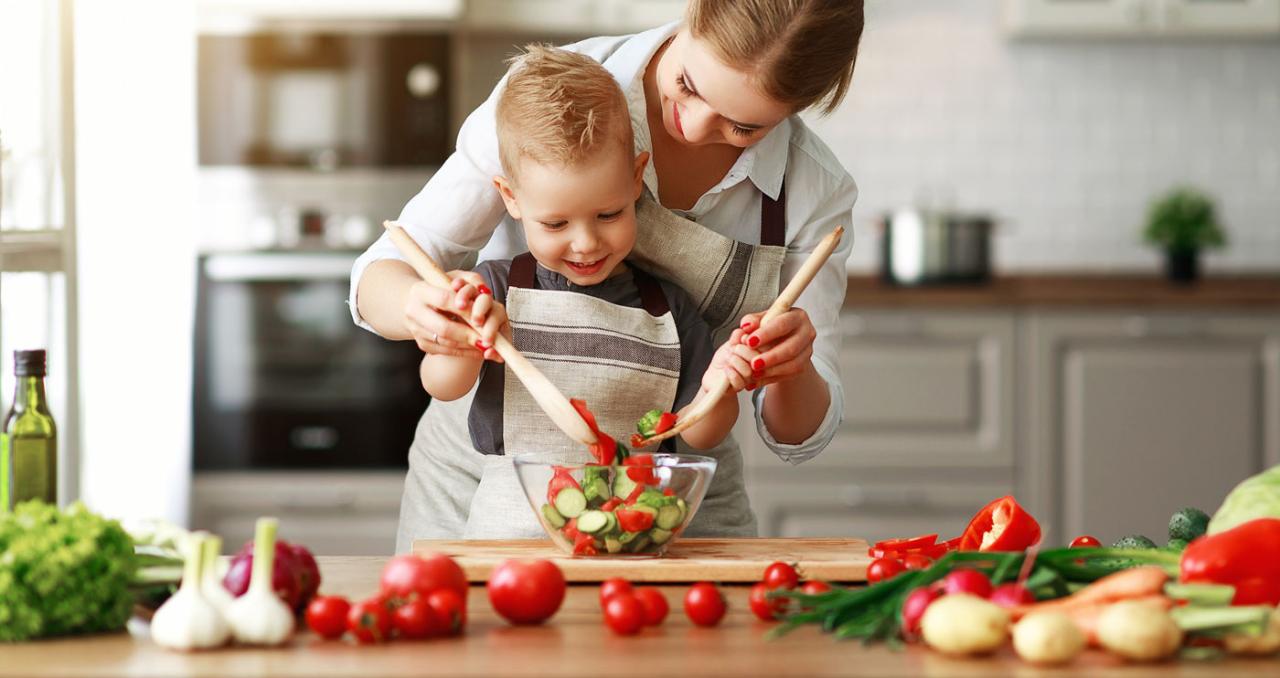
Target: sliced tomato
[(640, 469), (634, 521), (584, 545), (610, 505), (635, 494), (665, 422), (668, 492), (560, 479), (581, 406), (570, 530), (637, 440)]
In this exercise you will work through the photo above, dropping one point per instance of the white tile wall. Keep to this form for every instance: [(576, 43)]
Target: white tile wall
[(1067, 140)]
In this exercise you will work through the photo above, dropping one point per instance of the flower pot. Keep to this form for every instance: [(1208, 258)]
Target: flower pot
[(1182, 266)]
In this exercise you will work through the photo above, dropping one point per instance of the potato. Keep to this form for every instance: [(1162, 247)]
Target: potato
[(963, 624), (1267, 643), (1138, 631), (1047, 638)]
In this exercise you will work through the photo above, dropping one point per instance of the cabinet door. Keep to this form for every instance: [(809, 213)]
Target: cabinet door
[(555, 16), (923, 389), (1220, 17), (1136, 416), (1078, 18), (633, 16)]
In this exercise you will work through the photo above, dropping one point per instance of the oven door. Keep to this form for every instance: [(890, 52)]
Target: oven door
[(284, 379)]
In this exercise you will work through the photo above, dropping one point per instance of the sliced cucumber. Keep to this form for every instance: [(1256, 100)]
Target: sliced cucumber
[(611, 526), (646, 509), (622, 485), (596, 490), (684, 509), (612, 545), (640, 543), (659, 535), (553, 516), (668, 518), (628, 537), (654, 498), (592, 522), (571, 502)]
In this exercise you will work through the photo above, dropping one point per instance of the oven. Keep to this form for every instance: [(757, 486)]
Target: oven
[(283, 378)]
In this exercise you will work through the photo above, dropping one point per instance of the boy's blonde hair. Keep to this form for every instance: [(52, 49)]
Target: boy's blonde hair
[(558, 107), (802, 52)]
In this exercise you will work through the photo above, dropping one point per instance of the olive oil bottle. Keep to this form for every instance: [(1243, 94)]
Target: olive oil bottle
[(29, 439)]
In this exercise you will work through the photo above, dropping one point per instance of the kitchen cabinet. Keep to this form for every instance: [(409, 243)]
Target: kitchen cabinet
[(561, 17), (1137, 18), (1131, 416), (332, 513)]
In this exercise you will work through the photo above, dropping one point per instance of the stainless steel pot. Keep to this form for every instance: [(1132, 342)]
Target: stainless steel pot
[(923, 247)]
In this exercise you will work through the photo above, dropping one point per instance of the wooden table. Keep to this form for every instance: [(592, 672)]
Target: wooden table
[(573, 643)]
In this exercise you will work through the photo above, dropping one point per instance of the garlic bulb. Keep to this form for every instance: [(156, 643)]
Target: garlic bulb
[(259, 617), (187, 621), (211, 584)]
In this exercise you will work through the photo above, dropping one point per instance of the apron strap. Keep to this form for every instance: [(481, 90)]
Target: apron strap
[(773, 221), (652, 297), (523, 267)]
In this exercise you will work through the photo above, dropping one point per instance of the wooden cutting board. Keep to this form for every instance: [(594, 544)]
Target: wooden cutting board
[(720, 560)]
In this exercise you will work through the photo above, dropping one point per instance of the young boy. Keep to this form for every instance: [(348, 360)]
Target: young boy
[(601, 329)]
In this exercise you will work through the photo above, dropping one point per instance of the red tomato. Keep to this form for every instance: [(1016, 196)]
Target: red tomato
[(406, 575), (327, 616), (451, 608), (764, 607), (967, 581), (780, 575), (1085, 541), (415, 619), (704, 605), (613, 586), (654, 604), (1011, 595), (624, 614), (526, 591), (814, 587), (884, 568), (913, 608), (634, 521), (369, 621), (916, 561)]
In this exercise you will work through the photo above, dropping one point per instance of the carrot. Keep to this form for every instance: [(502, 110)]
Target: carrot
[(1137, 582), (1086, 616)]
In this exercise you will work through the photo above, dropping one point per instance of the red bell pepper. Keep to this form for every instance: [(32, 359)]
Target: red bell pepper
[(570, 530), (640, 469), (634, 521), (911, 544), (635, 494), (612, 504), (1002, 525), (605, 448), (665, 422), (584, 545), (669, 492), (560, 479), (1247, 557)]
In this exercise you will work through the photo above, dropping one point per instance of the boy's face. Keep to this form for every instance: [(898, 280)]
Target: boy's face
[(579, 221)]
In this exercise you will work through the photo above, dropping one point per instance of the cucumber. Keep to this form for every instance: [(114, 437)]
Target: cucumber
[(654, 498), (659, 535), (646, 509), (611, 524), (592, 522), (640, 543), (684, 509), (622, 485), (596, 490), (668, 518), (612, 545), (570, 502), (553, 516)]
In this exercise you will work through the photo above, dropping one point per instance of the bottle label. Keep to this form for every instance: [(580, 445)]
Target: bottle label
[(31, 470)]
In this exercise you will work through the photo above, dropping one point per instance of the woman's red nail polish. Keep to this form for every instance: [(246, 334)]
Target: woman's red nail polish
[(746, 324), (752, 386), (753, 341), (758, 364), (484, 289), (479, 345)]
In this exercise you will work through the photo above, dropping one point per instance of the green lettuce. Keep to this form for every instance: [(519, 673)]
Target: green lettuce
[(1256, 497)]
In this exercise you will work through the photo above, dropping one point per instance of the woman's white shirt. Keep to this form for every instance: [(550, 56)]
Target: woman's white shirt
[(454, 216)]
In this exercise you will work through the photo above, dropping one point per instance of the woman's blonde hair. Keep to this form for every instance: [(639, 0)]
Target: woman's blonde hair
[(558, 107), (802, 52)]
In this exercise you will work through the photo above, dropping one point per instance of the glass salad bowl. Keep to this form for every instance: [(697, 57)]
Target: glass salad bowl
[(637, 508)]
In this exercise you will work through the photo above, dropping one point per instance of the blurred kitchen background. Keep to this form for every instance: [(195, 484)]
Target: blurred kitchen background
[(185, 185)]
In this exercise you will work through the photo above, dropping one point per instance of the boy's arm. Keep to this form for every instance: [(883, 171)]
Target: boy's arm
[(448, 377), (715, 427), (733, 361)]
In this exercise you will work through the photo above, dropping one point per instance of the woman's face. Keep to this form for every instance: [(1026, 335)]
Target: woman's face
[(705, 101)]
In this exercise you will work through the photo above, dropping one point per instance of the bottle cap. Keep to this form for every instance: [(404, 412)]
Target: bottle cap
[(29, 363)]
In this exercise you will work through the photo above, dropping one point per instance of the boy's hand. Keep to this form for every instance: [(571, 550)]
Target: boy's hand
[(476, 303), (429, 317), (734, 360)]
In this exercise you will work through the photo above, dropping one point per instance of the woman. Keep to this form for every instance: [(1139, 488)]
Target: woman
[(748, 192)]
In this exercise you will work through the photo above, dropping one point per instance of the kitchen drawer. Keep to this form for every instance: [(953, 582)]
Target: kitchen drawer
[(923, 389), (870, 510)]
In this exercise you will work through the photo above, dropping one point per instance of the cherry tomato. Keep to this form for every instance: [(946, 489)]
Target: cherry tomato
[(884, 568), (1011, 595), (451, 608), (916, 561), (1085, 541), (780, 575), (369, 621), (526, 591), (406, 575), (764, 607), (624, 614), (814, 587), (967, 581), (415, 619), (704, 604), (913, 608), (613, 586), (327, 616), (654, 604)]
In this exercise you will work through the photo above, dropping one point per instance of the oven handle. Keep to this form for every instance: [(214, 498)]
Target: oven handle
[(272, 266)]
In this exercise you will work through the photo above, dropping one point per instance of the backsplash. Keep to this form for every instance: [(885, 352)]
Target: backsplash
[(1066, 141)]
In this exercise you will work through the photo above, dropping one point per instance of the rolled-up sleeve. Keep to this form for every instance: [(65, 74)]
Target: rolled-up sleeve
[(822, 301)]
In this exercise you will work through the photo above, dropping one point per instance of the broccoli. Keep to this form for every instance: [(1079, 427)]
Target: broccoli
[(648, 423), (62, 572), (1188, 523), (1133, 541), (1176, 545)]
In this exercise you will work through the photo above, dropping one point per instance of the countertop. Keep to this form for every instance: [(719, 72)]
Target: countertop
[(1072, 290), (573, 643)]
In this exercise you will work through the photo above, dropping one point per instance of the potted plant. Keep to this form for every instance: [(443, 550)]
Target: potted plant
[(1183, 222)]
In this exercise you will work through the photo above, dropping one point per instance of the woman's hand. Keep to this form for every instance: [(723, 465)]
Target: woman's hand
[(433, 316), (785, 344), (733, 360)]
